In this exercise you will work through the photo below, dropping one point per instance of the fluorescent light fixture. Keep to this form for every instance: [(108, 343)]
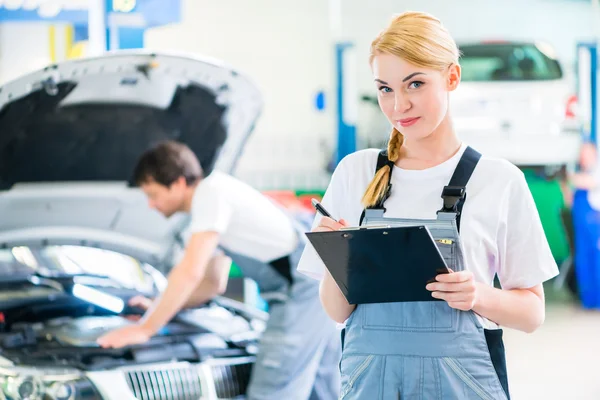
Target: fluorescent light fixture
[(98, 298), (123, 5), (13, 4), (30, 5), (49, 9)]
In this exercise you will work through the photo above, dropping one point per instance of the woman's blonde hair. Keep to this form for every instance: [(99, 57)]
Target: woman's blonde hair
[(419, 39)]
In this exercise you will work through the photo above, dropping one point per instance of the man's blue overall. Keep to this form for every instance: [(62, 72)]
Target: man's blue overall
[(424, 350), (300, 349)]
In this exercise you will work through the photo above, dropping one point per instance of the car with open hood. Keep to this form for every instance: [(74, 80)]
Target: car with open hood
[(77, 240)]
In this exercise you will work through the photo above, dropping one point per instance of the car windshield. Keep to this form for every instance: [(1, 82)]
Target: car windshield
[(122, 270), (507, 62)]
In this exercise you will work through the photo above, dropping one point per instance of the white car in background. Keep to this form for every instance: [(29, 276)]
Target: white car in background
[(517, 101)]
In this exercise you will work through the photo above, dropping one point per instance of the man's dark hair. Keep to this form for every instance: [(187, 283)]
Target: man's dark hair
[(165, 162)]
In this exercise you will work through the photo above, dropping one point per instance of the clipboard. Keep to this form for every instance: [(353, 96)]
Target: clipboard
[(381, 264)]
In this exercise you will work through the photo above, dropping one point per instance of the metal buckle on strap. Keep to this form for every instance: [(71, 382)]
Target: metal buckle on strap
[(452, 195)]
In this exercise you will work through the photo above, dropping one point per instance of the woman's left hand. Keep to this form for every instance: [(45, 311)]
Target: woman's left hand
[(458, 289)]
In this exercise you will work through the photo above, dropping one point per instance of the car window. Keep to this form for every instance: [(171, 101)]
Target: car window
[(123, 270), (126, 271), (16, 261), (507, 62)]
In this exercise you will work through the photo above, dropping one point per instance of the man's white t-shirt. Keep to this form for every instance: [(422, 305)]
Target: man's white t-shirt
[(248, 222), (501, 231)]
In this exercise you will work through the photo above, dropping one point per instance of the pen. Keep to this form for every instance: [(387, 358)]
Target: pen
[(321, 209)]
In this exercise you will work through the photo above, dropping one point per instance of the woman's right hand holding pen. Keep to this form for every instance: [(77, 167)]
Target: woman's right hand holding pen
[(328, 224)]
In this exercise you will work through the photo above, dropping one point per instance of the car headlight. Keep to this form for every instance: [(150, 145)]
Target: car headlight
[(18, 383)]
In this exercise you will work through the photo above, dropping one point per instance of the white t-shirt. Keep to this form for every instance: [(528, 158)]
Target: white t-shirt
[(248, 222), (501, 232)]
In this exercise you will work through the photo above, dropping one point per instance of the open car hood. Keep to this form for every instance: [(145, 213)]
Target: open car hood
[(89, 120)]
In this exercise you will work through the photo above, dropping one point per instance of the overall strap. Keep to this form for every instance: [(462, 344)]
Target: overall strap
[(382, 160), (455, 193)]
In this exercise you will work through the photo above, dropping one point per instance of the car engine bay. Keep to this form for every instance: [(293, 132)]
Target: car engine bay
[(194, 335)]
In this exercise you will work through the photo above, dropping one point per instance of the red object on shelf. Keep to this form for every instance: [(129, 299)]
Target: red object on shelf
[(306, 199), (292, 202)]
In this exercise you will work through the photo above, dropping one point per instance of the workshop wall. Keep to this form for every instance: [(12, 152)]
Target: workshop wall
[(286, 47)]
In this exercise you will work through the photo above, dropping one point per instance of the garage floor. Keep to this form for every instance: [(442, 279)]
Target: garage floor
[(559, 361)]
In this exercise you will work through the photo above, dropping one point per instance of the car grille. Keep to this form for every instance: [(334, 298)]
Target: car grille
[(175, 383), (231, 380)]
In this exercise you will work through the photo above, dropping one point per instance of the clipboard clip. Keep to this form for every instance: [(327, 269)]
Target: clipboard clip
[(362, 228)]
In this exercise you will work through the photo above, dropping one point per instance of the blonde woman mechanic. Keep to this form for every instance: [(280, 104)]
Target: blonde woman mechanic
[(448, 349)]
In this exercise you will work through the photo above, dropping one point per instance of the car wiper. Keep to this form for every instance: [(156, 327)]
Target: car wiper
[(64, 275), (87, 279), (31, 279), (59, 282), (51, 283)]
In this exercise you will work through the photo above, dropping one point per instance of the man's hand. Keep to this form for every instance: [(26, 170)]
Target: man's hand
[(141, 302), (458, 289), (127, 336), (182, 281)]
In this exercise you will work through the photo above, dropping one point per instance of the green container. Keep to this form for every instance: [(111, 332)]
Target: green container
[(549, 200)]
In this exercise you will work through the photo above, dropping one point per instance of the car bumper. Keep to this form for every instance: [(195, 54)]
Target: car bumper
[(215, 379), (528, 150)]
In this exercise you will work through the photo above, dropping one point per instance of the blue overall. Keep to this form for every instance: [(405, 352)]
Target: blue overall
[(586, 221), (300, 348), (424, 350)]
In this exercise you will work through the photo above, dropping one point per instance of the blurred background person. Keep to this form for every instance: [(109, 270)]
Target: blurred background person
[(586, 222)]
